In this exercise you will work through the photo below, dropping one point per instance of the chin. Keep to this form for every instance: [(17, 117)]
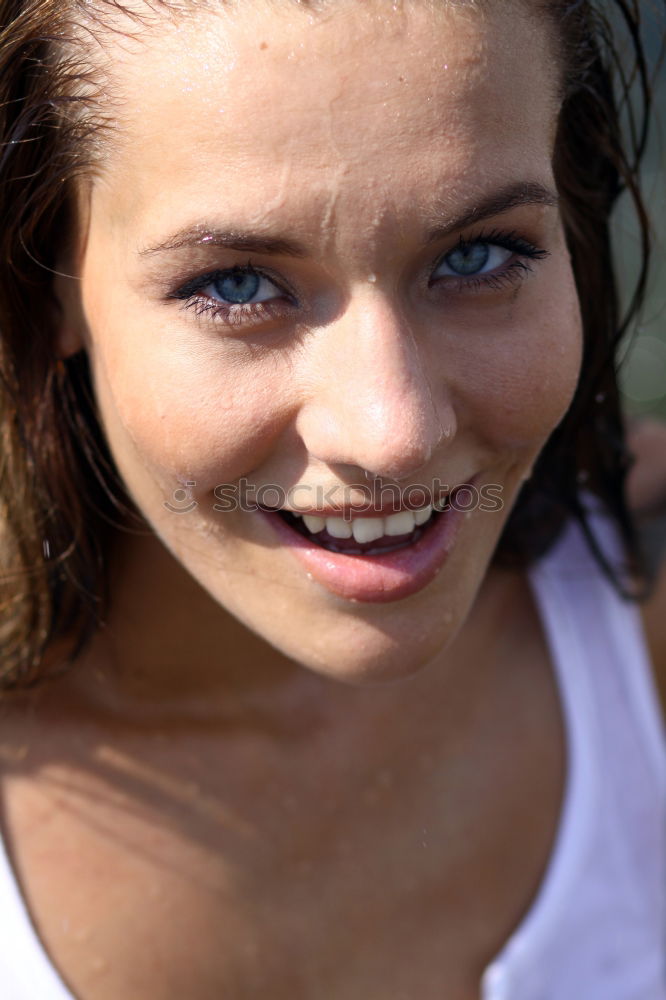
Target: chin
[(372, 660)]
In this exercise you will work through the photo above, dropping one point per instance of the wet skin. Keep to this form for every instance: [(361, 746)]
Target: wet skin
[(202, 790), (368, 351)]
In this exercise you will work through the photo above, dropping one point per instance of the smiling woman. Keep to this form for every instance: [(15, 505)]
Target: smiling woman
[(319, 579)]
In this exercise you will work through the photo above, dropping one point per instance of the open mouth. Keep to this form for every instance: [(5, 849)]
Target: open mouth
[(365, 558), (366, 536)]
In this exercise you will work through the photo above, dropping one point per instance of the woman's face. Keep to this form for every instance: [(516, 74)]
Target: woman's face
[(323, 244)]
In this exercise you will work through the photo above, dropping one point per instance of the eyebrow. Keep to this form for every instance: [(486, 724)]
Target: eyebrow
[(231, 239), (496, 203)]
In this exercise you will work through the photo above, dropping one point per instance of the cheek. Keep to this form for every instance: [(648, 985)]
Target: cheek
[(531, 369), (171, 415)]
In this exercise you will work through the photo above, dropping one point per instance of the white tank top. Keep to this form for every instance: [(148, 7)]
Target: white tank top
[(597, 927)]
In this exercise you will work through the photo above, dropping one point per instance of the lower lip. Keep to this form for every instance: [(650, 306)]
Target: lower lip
[(379, 578)]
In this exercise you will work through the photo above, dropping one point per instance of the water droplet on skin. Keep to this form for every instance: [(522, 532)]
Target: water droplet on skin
[(372, 278)]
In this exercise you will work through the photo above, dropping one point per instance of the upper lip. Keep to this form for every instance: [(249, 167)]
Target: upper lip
[(346, 512), (368, 509)]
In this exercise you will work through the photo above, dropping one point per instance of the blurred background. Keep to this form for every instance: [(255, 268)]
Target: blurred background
[(643, 369)]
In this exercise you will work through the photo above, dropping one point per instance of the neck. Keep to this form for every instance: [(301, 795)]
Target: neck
[(168, 648)]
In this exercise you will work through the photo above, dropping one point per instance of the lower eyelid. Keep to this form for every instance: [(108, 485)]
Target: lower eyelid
[(236, 314), (514, 273), (522, 255)]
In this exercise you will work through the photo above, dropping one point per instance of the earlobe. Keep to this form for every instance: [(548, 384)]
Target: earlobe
[(68, 342)]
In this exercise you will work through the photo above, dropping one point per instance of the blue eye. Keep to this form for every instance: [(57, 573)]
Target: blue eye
[(236, 295), (241, 286), (471, 259)]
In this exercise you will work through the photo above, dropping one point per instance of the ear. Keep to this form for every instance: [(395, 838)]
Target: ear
[(70, 325)]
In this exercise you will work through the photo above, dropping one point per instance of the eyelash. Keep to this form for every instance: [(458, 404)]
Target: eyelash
[(513, 273), (242, 314), (236, 314)]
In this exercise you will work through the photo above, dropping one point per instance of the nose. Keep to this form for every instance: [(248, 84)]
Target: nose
[(374, 399)]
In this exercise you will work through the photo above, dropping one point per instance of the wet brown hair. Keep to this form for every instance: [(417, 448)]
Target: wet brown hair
[(61, 499)]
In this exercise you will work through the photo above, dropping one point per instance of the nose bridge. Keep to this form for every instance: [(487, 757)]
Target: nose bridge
[(376, 404)]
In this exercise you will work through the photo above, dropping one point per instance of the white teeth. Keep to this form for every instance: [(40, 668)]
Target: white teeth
[(339, 528), (368, 529), (314, 524), (421, 516), (401, 523)]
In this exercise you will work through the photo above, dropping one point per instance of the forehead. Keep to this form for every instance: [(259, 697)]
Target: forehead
[(376, 99)]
